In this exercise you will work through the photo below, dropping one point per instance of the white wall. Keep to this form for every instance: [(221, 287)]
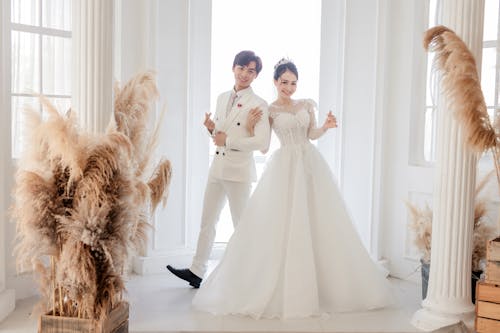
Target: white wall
[(178, 34), (135, 37), (379, 88), (353, 75), (7, 296), (358, 110), (404, 97)]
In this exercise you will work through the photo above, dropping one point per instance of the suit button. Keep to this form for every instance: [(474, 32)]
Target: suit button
[(217, 152)]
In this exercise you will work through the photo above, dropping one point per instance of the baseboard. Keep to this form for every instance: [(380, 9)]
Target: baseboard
[(7, 303), (24, 285), (158, 264), (384, 263)]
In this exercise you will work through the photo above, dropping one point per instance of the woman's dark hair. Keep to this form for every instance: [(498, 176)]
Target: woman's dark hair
[(282, 66), (245, 57)]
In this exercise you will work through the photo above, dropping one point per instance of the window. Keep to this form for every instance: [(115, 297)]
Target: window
[(430, 116), (489, 74), (273, 29), (40, 59), (491, 52)]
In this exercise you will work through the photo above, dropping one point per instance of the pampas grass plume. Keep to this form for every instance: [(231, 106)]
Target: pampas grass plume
[(81, 200)]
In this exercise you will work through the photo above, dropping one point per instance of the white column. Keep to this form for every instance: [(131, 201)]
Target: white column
[(182, 53), (7, 296), (449, 295), (93, 62)]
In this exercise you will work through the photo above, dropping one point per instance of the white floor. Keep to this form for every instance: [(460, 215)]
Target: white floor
[(162, 303)]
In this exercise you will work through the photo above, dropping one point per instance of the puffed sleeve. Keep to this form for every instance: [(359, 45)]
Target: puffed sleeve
[(314, 132)]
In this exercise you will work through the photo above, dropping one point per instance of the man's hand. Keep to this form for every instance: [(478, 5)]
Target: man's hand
[(220, 139), (209, 124)]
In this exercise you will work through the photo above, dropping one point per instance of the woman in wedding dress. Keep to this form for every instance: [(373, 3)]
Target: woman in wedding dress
[(295, 252)]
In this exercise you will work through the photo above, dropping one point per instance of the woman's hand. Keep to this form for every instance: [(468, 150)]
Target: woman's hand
[(209, 124), (330, 121), (254, 116), (220, 139)]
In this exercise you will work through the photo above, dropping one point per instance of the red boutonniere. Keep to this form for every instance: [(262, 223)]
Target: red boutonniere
[(239, 105)]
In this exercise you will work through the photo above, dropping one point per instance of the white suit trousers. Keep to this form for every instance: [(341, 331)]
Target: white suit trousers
[(216, 194)]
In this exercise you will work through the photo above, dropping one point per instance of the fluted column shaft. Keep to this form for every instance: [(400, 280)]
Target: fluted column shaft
[(93, 62), (449, 293)]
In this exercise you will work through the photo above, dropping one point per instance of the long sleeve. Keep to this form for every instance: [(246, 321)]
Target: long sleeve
[(314, 132), (260, 140), (270, 119)]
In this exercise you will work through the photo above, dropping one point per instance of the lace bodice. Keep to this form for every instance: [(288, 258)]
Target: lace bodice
[(295, 124)]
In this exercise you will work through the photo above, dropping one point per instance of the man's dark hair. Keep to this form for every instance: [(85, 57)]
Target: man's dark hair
[(245, 57)]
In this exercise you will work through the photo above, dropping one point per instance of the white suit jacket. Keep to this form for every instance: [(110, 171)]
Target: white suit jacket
[(235, 161)]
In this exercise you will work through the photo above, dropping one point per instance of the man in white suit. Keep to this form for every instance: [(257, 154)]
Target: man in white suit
[(233, 168)]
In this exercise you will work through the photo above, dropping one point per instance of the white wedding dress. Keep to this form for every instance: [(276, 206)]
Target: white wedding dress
[(295, 252)]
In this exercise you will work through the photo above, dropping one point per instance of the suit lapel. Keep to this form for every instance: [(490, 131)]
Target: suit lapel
[(232, 115), (235, 111)]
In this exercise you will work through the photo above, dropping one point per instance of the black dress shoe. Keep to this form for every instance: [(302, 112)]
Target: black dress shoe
[(185, 274)]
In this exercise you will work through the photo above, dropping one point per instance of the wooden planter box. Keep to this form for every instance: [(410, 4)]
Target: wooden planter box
[(485, 325), (493, 272), (493, 250), (487, 308), (493, 264), (488, 292), (117, 322)]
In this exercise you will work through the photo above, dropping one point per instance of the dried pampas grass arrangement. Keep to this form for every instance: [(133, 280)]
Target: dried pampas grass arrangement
[(462, 88), (421, 226), (82, 202)]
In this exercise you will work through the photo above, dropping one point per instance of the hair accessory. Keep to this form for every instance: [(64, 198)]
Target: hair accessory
[(282, 62)]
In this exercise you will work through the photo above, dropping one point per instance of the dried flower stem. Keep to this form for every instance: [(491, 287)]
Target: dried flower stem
[(496, 160), (53, 282), (61, 309)]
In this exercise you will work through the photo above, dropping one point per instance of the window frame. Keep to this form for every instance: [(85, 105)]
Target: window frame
[(40, 32)]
